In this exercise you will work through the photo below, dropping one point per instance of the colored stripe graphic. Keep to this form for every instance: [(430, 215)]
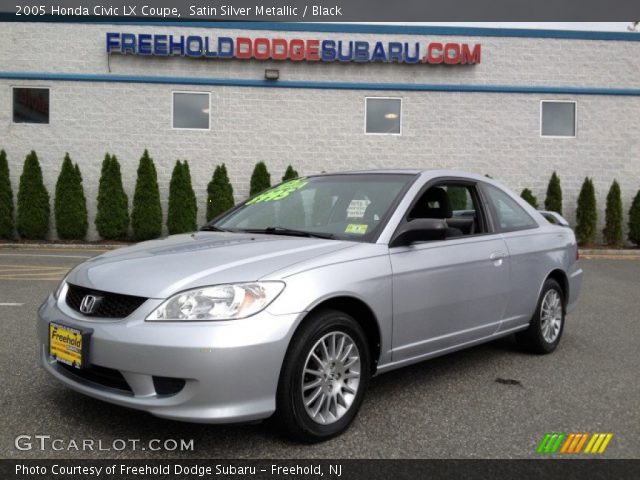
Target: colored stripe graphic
[(573, 443), (551, 442)]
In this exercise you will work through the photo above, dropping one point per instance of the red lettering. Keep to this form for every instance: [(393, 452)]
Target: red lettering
[(296, 50), (435, 53), (313, 47), (279, 49), (244, 47), (261, 48), (451, 53), (468, 56)]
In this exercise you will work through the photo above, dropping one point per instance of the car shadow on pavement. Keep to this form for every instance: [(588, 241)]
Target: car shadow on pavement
[(100, 420)]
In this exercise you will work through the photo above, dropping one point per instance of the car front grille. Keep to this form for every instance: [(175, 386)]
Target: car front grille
[(107, 305), (106, 377)]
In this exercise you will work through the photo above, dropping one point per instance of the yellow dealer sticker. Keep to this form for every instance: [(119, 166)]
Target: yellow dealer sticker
[(66, 344), (357, 228)]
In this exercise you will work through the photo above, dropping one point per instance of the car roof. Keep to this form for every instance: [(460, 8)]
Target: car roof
[(413, 171)]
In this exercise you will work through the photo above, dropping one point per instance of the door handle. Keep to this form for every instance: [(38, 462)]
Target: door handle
[(497, 258)]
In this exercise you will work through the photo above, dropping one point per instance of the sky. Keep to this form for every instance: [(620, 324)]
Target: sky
[(599, 26)]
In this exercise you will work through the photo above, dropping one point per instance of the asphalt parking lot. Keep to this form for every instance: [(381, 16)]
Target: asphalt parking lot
[(490, 401)]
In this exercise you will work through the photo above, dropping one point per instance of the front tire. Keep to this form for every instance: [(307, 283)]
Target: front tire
[(324, 377), (547, 323)]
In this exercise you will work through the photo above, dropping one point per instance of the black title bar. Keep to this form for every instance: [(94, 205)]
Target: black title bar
[(320, 469), (324, 11)]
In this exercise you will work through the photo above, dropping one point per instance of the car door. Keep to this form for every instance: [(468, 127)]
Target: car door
[(449, 292)]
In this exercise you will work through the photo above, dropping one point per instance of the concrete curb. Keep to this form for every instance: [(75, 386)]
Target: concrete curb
[(610, 252), (633, 252)]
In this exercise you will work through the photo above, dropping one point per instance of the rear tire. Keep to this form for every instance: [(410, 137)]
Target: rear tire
[(324, 377), (547, 323)]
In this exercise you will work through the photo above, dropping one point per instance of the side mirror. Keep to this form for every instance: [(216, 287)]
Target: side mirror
[(420, 230)]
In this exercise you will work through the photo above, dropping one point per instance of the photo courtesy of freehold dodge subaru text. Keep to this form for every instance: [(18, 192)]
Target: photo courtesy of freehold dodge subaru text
[(309, 240)]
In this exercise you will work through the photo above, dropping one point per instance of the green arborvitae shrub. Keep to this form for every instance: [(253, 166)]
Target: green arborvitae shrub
[(6, 199), (112, 217), (586, 214), (219, 193), (182, 213), (457, 197), (192, 202), (612, 233), (553, 201), (290, 174), (70, 205), (32, 220), (634, 220), (528, 196), (146, 215), (260, 179)]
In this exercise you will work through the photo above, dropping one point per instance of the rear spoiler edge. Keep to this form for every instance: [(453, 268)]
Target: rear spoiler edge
[(554, 217)]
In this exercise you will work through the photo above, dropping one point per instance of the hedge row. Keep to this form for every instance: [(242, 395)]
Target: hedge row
[(587, 212), (112, 216)]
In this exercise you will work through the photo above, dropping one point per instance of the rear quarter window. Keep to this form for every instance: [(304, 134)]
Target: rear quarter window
[(506, 211)]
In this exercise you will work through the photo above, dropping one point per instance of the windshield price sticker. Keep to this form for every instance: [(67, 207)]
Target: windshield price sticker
[(279, 192)]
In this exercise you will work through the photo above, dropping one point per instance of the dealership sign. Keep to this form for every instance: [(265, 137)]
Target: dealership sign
[(311, 50)]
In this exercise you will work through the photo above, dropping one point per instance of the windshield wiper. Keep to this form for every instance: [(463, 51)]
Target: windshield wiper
[(213, 228), (288, 231)]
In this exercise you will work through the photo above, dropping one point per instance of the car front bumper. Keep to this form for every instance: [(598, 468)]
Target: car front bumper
[(230, 369)]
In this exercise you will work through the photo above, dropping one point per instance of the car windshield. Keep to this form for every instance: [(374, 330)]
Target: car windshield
[(348, 207)]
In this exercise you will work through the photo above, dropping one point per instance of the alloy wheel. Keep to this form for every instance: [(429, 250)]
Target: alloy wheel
[(551, 316), (331, 377)]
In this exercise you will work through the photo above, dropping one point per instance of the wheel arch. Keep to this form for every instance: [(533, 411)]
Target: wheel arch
[(561, 277), (361, 313)]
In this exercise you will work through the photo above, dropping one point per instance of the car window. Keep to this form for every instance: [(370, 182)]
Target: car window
[(345, 206), (453, 202), (509, 215)]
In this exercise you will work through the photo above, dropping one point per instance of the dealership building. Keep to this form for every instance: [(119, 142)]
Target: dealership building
[(513, 104)]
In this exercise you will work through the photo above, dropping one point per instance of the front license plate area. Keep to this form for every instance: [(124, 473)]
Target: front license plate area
[(69, 345)]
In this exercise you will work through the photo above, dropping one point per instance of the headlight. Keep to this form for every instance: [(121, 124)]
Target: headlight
[(59, 288), (219, 302)]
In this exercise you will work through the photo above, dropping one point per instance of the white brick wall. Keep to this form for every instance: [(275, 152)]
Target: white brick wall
[(316, 130)]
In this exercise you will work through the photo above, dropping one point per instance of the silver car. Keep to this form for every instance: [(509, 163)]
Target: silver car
[(287, 304)]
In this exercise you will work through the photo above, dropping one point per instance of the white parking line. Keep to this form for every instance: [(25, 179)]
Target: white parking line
[(36, 255), (11, 304)]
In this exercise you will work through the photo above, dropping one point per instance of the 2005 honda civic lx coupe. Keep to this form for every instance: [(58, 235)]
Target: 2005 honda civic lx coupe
[(288, 303)]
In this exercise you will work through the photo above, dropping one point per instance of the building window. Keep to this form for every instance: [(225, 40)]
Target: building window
[(191, 110), (557, 118), (30, 105), (383, 116)]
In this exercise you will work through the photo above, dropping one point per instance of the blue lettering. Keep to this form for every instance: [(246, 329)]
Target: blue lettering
[(179, 45), (411, 59), (128, 43), (229, 50), (341, 56), (160, 45), (198, 50), (328, 51), (207, 49), (378, 53), (362, 52), (113, 41), (144, 44), (395, 52)]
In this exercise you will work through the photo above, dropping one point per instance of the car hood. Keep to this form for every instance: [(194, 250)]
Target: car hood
[(160, 268)]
